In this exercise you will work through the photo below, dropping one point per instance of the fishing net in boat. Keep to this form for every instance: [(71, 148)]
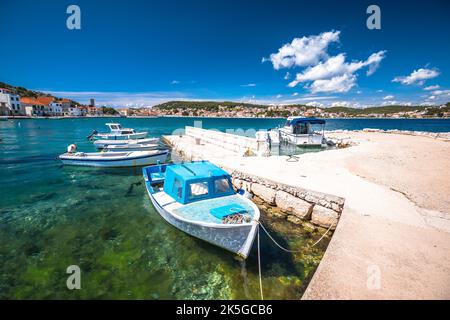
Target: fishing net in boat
[(236, 218)]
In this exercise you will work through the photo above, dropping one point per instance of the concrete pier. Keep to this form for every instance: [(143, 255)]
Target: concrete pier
[(392, 240)]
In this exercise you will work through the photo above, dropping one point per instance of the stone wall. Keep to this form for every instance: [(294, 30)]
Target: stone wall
[(232, 142), (297, 204)]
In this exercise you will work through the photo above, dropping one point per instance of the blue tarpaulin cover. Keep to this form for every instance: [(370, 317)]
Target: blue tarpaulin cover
[(222, 212), (295, 121)]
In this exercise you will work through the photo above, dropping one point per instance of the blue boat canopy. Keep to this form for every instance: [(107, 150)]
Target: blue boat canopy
[(194, 181), (295, 121)]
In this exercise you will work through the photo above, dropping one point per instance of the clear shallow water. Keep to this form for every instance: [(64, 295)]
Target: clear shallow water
[(101, 219)]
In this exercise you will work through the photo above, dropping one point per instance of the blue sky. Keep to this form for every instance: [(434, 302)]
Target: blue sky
[(139, 53)]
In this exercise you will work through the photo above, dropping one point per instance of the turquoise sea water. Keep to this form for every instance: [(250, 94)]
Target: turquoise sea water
[(101, 219)]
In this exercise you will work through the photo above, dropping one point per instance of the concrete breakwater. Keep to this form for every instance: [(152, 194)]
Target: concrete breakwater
[(231, 142), (296, 204), (435, 135)]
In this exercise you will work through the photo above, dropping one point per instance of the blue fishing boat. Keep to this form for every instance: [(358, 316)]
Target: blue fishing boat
[(198, 198)]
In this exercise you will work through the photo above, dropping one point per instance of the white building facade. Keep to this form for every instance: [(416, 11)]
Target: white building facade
[(10, 103), (55, 109)]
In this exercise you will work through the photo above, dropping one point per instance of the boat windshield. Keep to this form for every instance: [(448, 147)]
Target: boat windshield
[(301, 128), (115, 126), (307, 128)]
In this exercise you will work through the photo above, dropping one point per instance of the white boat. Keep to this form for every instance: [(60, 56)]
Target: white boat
[(302, 132), (132, 147), (100, 144), (198, 198), (118, 133), (114, 159)]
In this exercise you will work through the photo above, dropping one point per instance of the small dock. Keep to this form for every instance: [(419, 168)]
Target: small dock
[(392, 237)]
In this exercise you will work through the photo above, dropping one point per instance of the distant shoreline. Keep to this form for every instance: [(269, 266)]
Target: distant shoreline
[(206, 117)]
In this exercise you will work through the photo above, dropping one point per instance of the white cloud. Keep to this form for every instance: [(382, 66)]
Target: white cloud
[(441, 92), (248, 85), (287, 76), (347, 104), (279, 96), (418, 76), (295, 94), (336, 69), (338, 84), (429, 88), (431, 98), (315, 104), (390, 103), (175, 82), (389, 97), (303, 51)]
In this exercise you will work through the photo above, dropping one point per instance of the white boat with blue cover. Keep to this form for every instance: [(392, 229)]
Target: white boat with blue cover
[(303, 131), (118, 133), (198, 198), (114, 159)]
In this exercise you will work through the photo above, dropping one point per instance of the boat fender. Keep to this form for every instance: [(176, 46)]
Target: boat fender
[(245, 194), (72, 148)]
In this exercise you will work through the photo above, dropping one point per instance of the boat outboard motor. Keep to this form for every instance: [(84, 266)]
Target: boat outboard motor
[(89, 137), (72, 148)]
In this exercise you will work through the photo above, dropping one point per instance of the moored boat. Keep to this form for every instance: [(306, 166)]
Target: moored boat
[(301, 131), (100, 144), (132, 147), (118, 133), (114, 159), (198, 198)]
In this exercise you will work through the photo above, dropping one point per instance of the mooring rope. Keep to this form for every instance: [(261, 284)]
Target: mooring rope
[(274, 241), (279, 246), (292, 251), (259, 268), (329, 228)]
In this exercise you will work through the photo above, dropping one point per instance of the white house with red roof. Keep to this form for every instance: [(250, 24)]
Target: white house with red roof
[(33, 108)]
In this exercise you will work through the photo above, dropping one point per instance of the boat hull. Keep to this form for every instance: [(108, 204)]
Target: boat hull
[(302, 139), (99, 144), (125, 148), (116, 163), (235, 238), (131, 136)]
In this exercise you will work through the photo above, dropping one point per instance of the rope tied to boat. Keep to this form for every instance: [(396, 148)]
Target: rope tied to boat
[(280, 246), (285, 249)]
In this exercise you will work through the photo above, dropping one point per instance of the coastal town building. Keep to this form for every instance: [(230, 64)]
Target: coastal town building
[(125, 112), (10, 104), (72, 111), (33, 107), (53, 107)]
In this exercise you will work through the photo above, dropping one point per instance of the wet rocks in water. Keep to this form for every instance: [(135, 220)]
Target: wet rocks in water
[(130, 189), (32, 250), (109, 234), (265, 193), (324, 217), (42, 197)]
